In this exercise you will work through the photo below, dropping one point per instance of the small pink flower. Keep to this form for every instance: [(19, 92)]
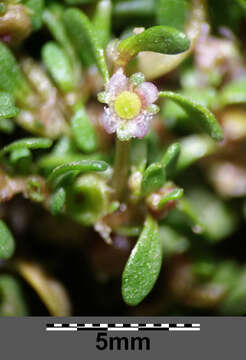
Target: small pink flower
[(130, 105)]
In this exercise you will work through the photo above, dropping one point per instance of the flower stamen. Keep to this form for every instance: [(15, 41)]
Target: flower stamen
[(127, 105)]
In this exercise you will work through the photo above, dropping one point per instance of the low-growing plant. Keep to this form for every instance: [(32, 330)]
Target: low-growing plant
[(122, 162)]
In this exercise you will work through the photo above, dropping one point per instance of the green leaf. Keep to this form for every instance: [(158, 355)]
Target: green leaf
[(21, 159), (160, 39), (143, 266), (78, 2), (59, 66), (242, 3), (82, 166), (7, 126), (7, 106), (202, 115), (84, 37), (34, 190), (194, 148), (20, 154), (11, 297), (225, 273), (57, 201), (11, 77), (134, 9), (235, 302), (173, 195), (228, 13), (217, 219), (3, 8), (36, 11), (172, 241), (83, 131), (170, 158), (131, 231), (65, 146), (172, 13), (204, 268), (52, 18), (176, 116), (187, 208), (28, 143), (102, 21), (153, 178), (7, 244), (233, 93), (155, 65), (50, 161)]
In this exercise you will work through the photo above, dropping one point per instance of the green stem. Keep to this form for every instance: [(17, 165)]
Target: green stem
[(121, 167)]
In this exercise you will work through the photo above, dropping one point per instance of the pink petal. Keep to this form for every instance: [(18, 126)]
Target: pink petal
[(126, 129), (117, 83), (141, 124), (109, 120), (148, 93)]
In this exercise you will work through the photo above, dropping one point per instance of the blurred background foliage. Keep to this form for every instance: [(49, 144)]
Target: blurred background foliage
[(53, 260)]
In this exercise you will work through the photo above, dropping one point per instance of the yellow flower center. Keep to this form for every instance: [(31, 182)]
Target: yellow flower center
[(127, 105)]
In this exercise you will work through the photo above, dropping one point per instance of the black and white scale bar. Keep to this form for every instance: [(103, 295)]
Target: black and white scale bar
[(122, 327)]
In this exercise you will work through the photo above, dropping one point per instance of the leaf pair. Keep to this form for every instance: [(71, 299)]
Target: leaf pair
[(65, 151), (28, 143), (76, 167), (21, 148), (84, 36), (59, 61), (156, 174), (173, 195), (94, 200), (154, 178), (161, 39), (89, 39), (20, 151)]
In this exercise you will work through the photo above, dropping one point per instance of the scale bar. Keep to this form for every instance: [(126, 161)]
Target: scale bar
[(61, 329), (185, 329), (122, 327)]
